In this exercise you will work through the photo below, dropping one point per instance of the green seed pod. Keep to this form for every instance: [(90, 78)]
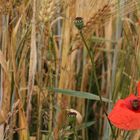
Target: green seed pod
[(72, 117), (79, 23)]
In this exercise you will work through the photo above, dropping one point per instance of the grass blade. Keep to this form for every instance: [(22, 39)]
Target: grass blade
[(80, 94)]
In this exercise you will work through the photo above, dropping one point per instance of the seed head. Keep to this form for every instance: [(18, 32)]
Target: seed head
[(79, 23), (135, 104)]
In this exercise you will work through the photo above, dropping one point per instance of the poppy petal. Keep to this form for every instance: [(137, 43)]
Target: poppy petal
[(129, 99), (138, 88), (124, 118)]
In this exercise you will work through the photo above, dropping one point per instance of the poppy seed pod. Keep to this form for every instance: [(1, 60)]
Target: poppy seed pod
[(73, 112), (79, 23), (135, 104), (72, 117)]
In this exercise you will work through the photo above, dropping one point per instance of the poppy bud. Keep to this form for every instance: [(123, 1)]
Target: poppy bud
[(79, 23), (72, 117)]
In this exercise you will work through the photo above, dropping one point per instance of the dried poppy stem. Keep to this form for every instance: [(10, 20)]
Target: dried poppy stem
[(79, 24)]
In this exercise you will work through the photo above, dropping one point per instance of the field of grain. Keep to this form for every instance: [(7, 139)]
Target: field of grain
[(63, 66)]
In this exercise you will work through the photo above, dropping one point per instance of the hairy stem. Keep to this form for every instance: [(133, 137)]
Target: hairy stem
[(96, 80)]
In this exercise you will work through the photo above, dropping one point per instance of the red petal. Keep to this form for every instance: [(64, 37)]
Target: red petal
[(130, 97), (138, 88), (124, 118)]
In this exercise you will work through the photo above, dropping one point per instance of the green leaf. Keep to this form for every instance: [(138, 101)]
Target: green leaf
[(85, 125), (80, 94)]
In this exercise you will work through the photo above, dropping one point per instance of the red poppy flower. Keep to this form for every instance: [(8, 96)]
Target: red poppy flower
[(126, 113)]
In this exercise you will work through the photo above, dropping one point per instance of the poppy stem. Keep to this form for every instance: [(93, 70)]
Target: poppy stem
[(96, 80), (93, 65)]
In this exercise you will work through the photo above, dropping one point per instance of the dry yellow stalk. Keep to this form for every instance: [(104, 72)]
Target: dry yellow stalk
[(33, 61), (135, 135), (5, 7)]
